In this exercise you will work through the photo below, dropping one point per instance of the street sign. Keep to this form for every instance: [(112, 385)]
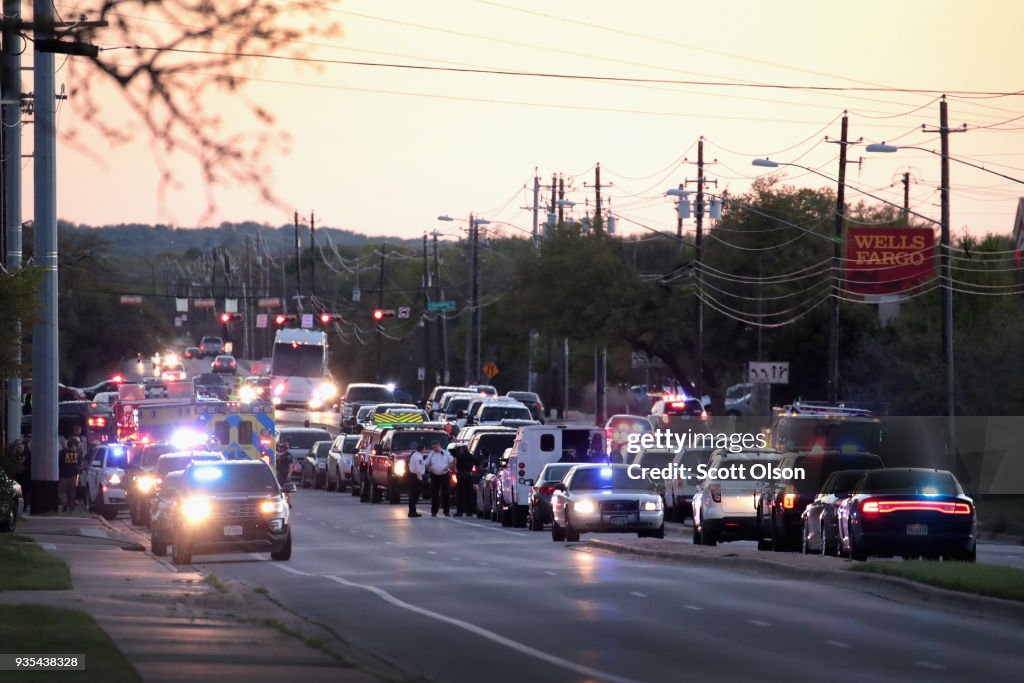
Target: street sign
[(307, 321), (490, 370), (261, 320), (181, 305), (403, 311), (356, 294), (268, 302), (421, 374), (204, 303), (769, 373), (441, 306), (131, 299), (177, 321), (231, 305), (642, 360)]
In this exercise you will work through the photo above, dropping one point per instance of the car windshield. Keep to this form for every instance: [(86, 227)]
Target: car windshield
[(611, 478), (211, 340), (364, 412), (321, 448), (934, 483), (250, 478), (498, 413), (404, 440), (171, 484), (209, 379), (494, 444), (350, 444), (655, 458), (303, 439), (370, 394), (117, 456), (151, 454), (555, 472), (747, 473), (457, 405), (842, 482), (524, 396), (180, 462), (817, 469)]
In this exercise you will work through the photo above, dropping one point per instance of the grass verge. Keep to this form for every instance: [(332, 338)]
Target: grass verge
[(1001, 514), (314, 643), (980, 579), (26, 566), (214, 580), (37, 629)]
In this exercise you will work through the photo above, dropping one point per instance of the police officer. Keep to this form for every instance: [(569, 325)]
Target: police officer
[(284, 463), (69, 465), (464, 463), (417, 470), (439, 466)]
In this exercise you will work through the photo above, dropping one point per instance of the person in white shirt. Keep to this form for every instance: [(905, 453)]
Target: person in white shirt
[(439, 465), (417, 471)]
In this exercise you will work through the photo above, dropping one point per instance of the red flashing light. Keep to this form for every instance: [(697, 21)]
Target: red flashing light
[(378, 314), (225, 318), (117, 379), (325, 318), (97, 422), (280, 319)]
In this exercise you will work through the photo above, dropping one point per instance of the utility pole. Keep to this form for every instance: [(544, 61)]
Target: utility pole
[(475, 310), (470, 257), (442, 329), (44, 335), (698, 238), (298, 260), (837, 264), (906, 197), (531, 376), (598, 225), (312, 256), (536, 208), (380, 324), (561, 196), (10, 93), (423, 319), (947, 282)]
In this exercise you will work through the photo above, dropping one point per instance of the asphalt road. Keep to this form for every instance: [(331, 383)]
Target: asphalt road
[(466, 600)]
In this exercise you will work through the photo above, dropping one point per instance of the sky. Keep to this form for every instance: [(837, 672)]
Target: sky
[(386, 151)]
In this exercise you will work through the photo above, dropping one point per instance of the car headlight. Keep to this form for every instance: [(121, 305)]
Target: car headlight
[(399, 468), (652, 505), (328, 390), (247, 394), (584, 506), (271, 507), (195, 510), (114, 479), (145, 483), (315, 402)]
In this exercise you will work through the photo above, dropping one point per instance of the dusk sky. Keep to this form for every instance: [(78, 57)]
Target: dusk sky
[(385, 151)]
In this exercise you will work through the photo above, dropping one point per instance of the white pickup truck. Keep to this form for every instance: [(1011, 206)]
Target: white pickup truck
[(104, 480)]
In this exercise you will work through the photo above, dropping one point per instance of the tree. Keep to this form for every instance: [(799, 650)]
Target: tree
[(175, 62), (17, 305)]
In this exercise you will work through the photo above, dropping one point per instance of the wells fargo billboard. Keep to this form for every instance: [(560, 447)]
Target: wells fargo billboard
[(888, 260)]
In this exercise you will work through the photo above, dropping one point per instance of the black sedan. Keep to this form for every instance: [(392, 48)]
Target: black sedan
[(210, 385), (908, 512), (314, 465), (538, 512), (821, 524)]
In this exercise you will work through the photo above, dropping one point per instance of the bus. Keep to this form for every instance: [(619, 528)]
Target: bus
[(298, 371)]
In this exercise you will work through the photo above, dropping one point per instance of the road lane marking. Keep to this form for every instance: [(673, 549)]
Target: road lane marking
[(639, 595), (482, 564), (48, 546), (836, 643), (457, 559), (389, 543), (551, 573), (431, 552), (485, 633), (694, 608), (758, 622), (520, 534), (929, 665)]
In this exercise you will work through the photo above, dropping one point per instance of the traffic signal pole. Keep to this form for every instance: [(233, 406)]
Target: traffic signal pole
[(10, 78), (380, 305)]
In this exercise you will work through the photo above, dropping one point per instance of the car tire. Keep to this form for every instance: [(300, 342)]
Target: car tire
[(394, 496), (506, 516), (285, 553), (305, 483), (534, 523), (180, 553), (340, 486), (97, 504), (355, 489), (10, 520), (855, 553), (376, 494), (110, 513), (708, 538), (764, 544), (158, 547), (133, 517), (827, 547), (696, 534), (557, 533), (318, 482), (364, 491), (332, 487), (804, 549), (518, 516), (572, 534)]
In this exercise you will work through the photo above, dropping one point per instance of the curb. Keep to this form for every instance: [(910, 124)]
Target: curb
[(898, 587)]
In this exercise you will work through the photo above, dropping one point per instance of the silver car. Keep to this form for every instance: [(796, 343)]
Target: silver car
[(724, 506), (605, 498)]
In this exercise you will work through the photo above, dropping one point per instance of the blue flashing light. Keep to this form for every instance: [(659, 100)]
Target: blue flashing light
[(606, 472), (207, 473), (929, 491)]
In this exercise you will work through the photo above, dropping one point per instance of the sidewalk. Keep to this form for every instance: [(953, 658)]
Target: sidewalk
[(172, 625)]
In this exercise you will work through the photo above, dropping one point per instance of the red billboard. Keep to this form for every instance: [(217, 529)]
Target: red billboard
[(888, 260)]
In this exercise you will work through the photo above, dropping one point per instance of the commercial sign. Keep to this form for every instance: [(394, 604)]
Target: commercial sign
[(131, 299), (204, 303), (268, 302), (888, 260)]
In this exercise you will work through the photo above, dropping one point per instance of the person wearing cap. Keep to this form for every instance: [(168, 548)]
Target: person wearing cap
[(439, 465), (283, 462)]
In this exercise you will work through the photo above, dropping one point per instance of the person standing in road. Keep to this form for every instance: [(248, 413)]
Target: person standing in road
[(464, 463), (439, 464), (69, 465), (417, 470), (283, 463)]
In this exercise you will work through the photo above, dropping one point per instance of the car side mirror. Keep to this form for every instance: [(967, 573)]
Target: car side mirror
[(289, 487), (528, 482)]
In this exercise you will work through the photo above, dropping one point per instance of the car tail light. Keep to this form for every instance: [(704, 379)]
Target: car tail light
[(789, 499), (886, 506), (716, 492), (546, 490), (97, 422)]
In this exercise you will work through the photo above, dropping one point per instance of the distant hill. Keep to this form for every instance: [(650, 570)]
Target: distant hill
[(136, 239)]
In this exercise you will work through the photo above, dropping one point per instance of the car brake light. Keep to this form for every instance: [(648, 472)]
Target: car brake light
[(716, 492), (546, 490), (265, 440), (789, 499), (870, 507), (886, 506)]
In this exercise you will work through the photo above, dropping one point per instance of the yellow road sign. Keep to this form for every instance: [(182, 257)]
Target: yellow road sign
[(490, 370)]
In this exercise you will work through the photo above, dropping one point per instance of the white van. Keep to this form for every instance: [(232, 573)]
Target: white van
[(536, 446)]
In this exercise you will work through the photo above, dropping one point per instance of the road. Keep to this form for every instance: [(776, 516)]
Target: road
[(466, 600)]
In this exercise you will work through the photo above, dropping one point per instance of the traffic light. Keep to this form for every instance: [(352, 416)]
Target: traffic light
[(328, 318), (381, 313), (283, 320), (230, 317)]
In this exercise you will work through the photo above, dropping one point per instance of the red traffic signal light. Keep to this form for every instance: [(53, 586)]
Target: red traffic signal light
[(282, 319), (378, 314), (381, 313), (230, 317), (325, 318)]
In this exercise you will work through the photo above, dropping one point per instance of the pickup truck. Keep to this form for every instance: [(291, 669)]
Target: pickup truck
[(389, 460), (104, 480)]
